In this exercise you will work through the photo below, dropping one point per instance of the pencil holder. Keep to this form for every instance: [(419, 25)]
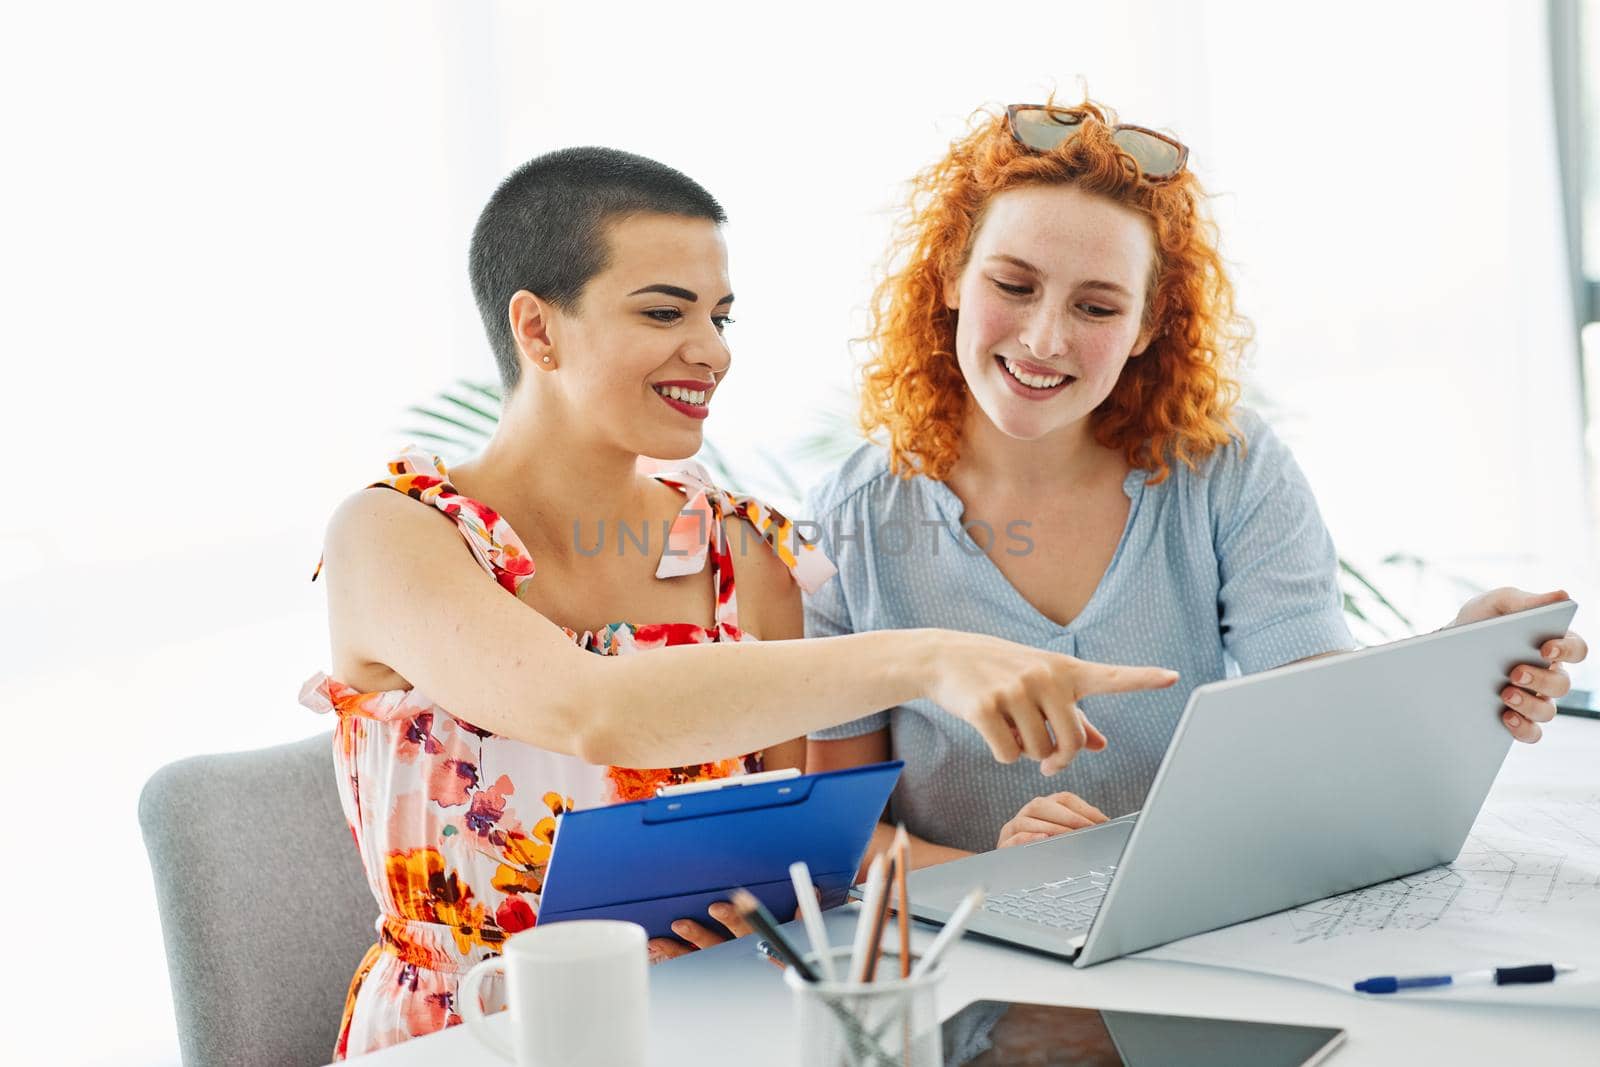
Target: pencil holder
[(893, 1022)]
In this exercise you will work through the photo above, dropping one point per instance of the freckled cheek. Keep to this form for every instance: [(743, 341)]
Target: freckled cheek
[(986, 325), (1103, 353)]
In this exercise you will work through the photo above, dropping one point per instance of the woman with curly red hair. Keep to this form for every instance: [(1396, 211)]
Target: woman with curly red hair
[(1063, 463)]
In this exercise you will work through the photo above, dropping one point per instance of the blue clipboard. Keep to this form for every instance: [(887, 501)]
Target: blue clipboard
[(653, 862)]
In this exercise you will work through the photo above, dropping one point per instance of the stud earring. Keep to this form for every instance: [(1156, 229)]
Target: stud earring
[(547, 359)]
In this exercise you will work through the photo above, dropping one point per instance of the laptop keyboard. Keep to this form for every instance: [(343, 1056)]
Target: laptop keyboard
[(1069, 904)]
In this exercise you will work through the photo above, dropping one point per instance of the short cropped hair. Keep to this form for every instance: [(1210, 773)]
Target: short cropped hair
[(544, 230)]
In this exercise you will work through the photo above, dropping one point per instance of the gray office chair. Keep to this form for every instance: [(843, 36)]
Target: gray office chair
[(264, 907)]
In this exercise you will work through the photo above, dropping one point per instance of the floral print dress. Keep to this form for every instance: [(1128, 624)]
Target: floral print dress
[(454, 823)]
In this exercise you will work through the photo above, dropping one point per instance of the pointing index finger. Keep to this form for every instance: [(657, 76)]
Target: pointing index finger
[(1111, 679)]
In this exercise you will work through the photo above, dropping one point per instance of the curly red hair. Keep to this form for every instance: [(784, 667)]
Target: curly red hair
[(1173, 403)]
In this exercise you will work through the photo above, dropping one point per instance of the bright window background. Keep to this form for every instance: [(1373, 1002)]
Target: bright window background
[(234, 252), (1587, 124)]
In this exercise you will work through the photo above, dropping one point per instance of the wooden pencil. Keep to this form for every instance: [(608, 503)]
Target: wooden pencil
[(862, 948), (879, 919), (902, 856)]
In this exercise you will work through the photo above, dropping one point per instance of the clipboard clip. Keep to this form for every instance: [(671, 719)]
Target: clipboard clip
[(752, 792), (710, 785)]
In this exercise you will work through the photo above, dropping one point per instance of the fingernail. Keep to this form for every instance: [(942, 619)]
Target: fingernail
[(679, 928), (1523, 677), (1515, 700), (1513, 720)]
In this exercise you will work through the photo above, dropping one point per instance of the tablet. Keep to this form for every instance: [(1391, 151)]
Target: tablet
[(991, 1033), (653, 862)]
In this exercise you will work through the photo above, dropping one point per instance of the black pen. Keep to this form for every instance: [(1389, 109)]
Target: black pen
[(757, 915)]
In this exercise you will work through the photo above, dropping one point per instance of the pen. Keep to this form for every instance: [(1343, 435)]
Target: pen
[(811, 914), (1530, 974), (757, 915), (952, 930)]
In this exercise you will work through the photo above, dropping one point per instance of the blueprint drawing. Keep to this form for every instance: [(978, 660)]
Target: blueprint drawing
[(1519, 857)]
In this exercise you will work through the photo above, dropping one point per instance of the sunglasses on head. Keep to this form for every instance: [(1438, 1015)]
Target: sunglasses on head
[(1042, 127)]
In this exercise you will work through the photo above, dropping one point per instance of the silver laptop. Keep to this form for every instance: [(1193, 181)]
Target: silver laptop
[(1278, 789)]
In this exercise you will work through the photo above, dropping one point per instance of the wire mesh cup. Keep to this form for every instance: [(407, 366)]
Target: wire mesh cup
[(893, 1022)]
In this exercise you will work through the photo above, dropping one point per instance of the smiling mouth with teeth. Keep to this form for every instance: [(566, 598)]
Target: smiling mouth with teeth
[(687, 398), (1033, 381), (696, 397)]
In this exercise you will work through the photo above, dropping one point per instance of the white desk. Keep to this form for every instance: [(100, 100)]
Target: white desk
[(727, 1006)]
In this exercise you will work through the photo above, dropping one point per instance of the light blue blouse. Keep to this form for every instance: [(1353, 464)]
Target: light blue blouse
[(1222, 570)]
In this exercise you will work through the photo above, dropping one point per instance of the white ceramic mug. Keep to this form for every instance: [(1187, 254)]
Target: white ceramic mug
[(576, 993)]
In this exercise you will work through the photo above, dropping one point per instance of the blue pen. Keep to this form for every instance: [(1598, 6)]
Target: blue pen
[(1530, 974)]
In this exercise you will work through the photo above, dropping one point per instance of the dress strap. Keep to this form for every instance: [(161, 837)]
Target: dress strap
[(422, 476), (696, 535)]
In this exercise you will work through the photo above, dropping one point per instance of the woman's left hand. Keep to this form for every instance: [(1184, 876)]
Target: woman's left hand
[(697, 936), (1534, 687)]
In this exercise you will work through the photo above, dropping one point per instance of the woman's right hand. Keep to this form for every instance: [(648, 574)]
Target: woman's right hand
[(1023, 700)]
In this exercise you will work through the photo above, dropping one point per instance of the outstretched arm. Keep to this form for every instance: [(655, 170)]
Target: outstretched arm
[(404, 595)]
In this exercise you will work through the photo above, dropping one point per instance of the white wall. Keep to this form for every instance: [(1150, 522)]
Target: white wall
[(234, 246)]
